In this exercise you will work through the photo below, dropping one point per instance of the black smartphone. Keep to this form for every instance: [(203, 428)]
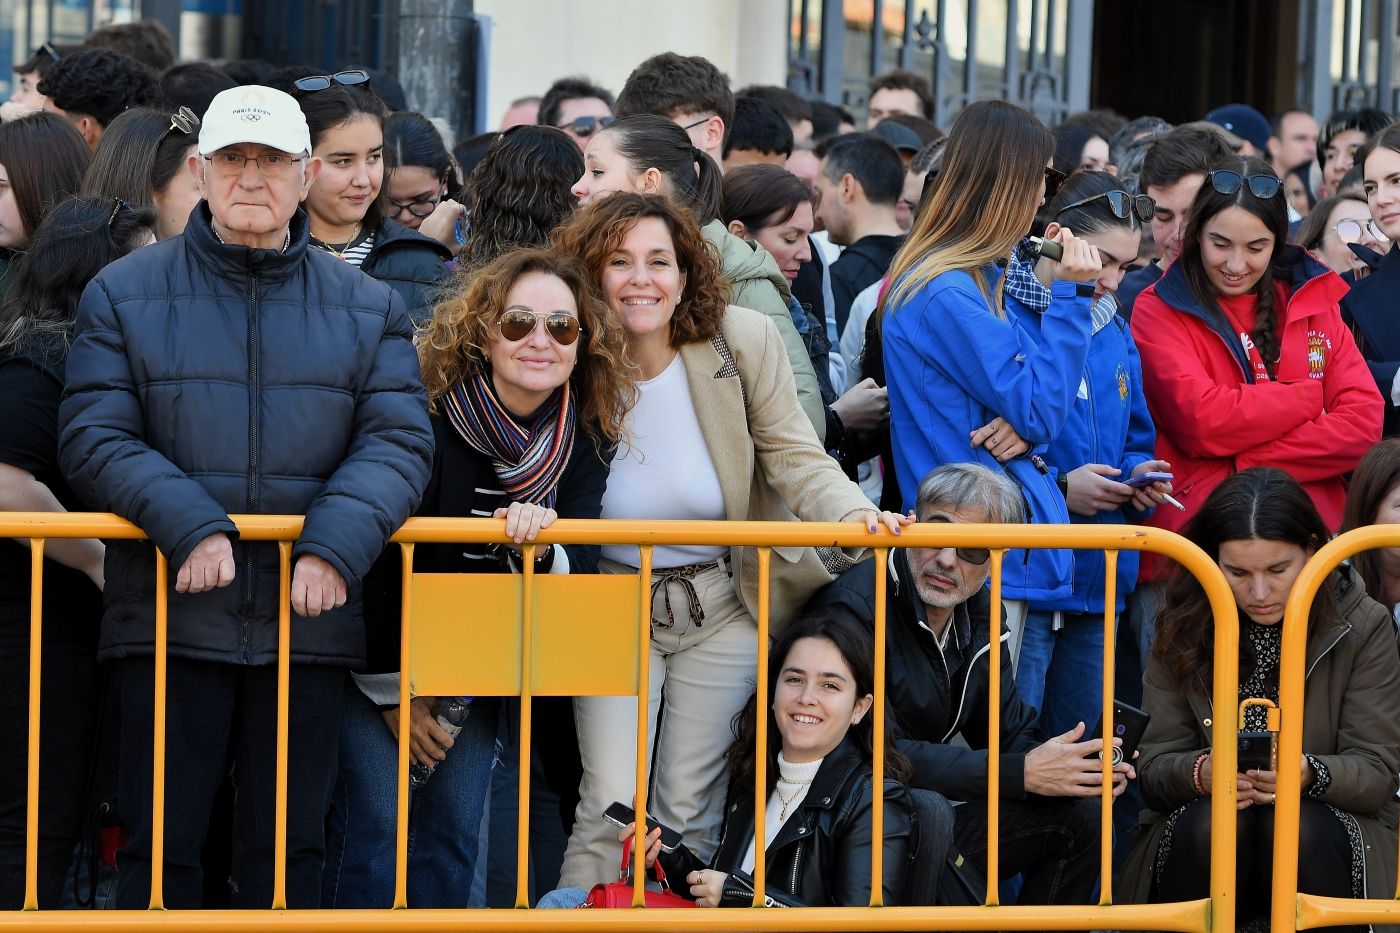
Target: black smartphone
[(1129, 724), (1256, 752), (619, 814)]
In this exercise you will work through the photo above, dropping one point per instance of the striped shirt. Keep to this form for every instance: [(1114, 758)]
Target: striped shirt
[(353, 253)]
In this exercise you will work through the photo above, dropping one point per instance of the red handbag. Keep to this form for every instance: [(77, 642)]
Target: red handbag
[(619, 893)]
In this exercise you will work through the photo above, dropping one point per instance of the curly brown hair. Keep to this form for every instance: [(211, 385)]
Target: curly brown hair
[(596, 232), (452, 342)]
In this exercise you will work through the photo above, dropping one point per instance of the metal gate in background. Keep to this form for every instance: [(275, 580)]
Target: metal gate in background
[(1036, 53)]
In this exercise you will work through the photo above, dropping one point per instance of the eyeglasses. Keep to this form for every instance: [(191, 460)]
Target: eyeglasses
[(321, 82), (1262, 187), (1053, 179), (1349, 230), (270, 164), (584, 127), (421, 207), (1121, 203), (691, 126), (517, 324), (183, 120)]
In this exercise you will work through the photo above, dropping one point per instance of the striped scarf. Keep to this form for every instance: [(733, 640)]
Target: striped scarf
[(529, 463)]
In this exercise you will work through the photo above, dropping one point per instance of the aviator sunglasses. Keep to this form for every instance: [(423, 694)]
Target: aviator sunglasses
[(584, 127), (1261, 186), (1121, 203), (517, 324)]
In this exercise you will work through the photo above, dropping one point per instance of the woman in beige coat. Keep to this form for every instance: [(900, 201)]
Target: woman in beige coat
[(1261, 527), (717, 433)]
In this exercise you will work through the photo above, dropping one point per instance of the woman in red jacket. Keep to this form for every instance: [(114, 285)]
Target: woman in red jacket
[(1245, 359)]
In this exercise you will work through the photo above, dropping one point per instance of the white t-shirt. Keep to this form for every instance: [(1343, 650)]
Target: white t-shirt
[(664, 470)]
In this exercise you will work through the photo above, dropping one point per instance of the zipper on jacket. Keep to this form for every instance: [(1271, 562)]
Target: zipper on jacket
[(962, 700), (1346, 629), (254, 413)]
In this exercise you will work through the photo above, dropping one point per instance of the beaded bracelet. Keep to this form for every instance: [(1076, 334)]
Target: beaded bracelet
[(1196, 775)]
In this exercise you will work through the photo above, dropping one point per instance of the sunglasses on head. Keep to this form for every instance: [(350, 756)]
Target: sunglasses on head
[(1121, 203), (321, 82), (517, 324), (48, 49), (584, 127), (1262, 187), (183, 120)]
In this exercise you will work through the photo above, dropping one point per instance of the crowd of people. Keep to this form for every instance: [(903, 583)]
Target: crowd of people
[(243, 288)]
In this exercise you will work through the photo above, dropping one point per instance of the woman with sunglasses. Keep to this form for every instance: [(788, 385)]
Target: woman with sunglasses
[(1370, 305), (346, 121), (717, 434), (143, 160), (651, 155), (1107, 439), (1245, 358), (1334, 225), (420, 178), (967, 381), (528, 384)]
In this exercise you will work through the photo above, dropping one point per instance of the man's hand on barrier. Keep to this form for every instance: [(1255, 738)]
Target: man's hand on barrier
[(316, 587), (209, 565), (1244, 787), (428, 742), (1067, 767)]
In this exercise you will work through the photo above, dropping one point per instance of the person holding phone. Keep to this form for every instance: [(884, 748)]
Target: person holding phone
[(817, 829), (1102, 456), (1260, 526)]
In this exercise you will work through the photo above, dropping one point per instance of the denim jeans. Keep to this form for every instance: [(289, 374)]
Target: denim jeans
[(444, 815), (1061, 671)]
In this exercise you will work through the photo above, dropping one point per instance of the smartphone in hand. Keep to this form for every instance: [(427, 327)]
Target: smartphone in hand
[(619, 814), (1129, 724), (1147, 479)]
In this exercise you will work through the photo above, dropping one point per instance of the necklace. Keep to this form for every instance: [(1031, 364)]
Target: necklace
[(789, 801), (340, 253)]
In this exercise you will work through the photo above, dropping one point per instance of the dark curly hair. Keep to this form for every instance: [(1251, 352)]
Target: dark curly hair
[(76, 240), (1261, 503), (519, 192), (1273, 214), (453, 343), (100, 83), (598, 231)]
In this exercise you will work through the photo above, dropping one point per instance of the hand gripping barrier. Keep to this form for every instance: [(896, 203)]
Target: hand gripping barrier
[(448, 651)]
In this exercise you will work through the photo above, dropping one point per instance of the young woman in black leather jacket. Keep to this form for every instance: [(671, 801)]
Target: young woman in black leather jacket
[(818, 827)]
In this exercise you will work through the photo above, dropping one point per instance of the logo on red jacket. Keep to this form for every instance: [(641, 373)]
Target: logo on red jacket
[(1318, 345)]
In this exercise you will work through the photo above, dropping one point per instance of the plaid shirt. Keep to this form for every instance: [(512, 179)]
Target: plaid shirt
[(1022, 285)]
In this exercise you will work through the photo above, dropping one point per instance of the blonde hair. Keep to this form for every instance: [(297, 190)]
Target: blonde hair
[(983, 201)]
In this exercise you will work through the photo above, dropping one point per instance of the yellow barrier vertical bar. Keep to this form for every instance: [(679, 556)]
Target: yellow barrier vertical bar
[(527, 644), (1110, 628), (877, 765), (1287, 800), (643, 725), (405, 679), (994, 731), (1224, 749), (36, 645), (158, 767), (760, 758), (284, 683)]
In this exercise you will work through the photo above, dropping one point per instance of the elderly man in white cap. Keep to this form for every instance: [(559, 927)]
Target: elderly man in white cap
[(233, 370)]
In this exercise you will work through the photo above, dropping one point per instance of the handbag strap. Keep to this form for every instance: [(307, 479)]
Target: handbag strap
[(625, 872)]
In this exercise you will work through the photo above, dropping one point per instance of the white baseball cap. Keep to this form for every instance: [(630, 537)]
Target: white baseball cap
[(254, 114)]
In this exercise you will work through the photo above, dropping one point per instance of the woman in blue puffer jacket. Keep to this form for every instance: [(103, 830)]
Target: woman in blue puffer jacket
[(1108, 437)]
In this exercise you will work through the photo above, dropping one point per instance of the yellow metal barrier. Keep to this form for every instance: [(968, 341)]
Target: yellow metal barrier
[(1291, 909), (432, 638)]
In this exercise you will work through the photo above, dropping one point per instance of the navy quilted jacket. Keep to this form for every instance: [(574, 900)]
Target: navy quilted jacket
[(209, 379)]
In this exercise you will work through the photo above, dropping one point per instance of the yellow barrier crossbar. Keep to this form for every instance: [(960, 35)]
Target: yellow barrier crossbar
[(1215, 913)]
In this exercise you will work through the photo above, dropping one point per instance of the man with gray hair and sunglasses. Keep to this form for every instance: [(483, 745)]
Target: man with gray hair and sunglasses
[(229, 370), (939, 651)]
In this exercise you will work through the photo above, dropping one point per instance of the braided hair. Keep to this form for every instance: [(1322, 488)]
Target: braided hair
[(1273, 214)]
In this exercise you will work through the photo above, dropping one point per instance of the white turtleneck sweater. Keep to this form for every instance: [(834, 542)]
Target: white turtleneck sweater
[(794, 780)]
